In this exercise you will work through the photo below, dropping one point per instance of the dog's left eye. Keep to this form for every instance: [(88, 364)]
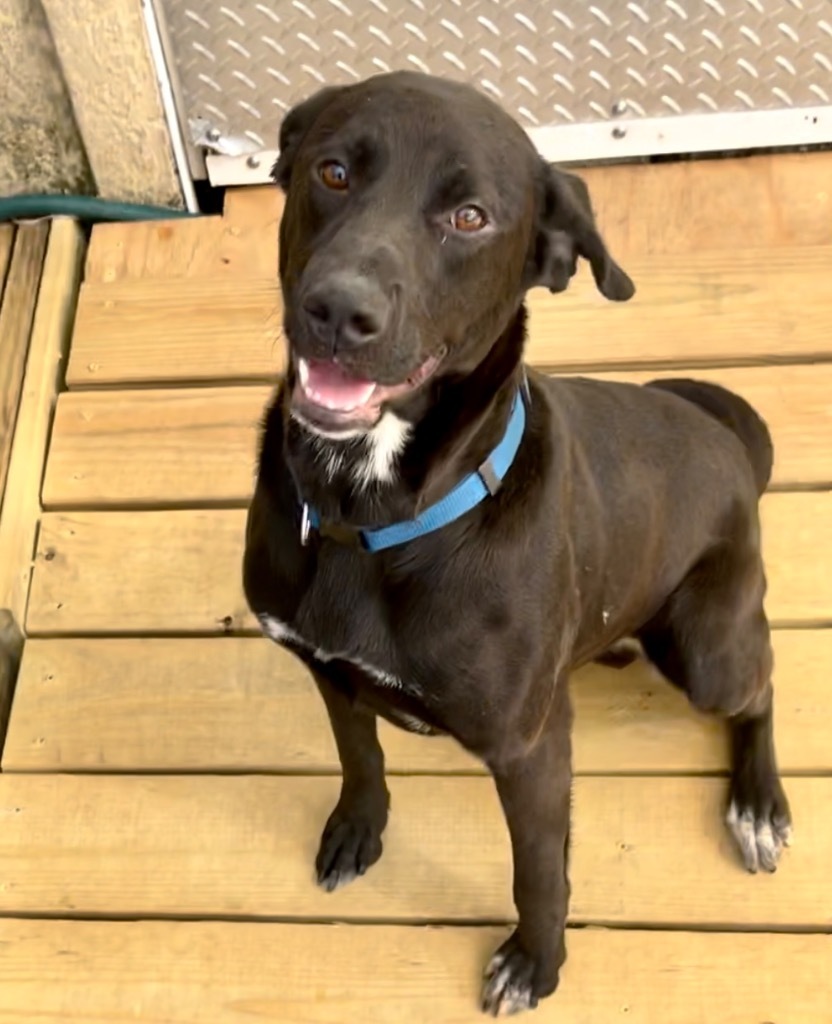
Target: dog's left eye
[(469, 218), (334, 175)]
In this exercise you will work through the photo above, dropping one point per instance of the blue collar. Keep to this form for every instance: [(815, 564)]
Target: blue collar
[(467, 494)]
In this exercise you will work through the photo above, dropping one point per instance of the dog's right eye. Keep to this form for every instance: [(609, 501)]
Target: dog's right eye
[(334, 175), (469, 219)]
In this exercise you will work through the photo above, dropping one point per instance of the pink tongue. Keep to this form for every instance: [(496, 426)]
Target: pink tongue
[(328, 385)]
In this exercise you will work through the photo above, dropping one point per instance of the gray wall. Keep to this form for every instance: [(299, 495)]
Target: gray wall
[(40, 145)]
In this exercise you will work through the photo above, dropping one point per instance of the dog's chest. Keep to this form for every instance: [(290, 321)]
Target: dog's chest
[(396, 698), (288, 636)]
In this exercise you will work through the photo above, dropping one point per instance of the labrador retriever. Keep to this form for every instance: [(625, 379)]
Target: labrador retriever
[(443, 535)]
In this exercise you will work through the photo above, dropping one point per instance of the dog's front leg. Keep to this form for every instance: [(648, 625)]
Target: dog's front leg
[(351, 840), (534, 790)]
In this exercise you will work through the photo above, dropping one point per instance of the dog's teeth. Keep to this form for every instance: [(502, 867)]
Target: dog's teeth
[(339, 395), (330, 403)]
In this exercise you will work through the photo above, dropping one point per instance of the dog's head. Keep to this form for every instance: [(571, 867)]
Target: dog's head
[(417, 216)]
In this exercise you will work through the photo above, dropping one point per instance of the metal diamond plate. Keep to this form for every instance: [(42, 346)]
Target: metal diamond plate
[(242, 64)]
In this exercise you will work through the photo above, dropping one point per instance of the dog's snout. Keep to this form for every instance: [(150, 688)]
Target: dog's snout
[(346, 311)]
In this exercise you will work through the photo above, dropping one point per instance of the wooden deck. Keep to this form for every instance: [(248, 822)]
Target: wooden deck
[(166, 772)]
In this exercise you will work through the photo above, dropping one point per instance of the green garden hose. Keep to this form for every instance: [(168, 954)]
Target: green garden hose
[(84, 208)]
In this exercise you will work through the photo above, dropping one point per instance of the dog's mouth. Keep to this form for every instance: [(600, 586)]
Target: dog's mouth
[(329, 395)]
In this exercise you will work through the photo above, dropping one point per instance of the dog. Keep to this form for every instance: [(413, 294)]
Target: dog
[(442, 535)]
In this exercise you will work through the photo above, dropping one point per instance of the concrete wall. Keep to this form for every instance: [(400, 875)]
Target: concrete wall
[(40, 144), (105, 56)]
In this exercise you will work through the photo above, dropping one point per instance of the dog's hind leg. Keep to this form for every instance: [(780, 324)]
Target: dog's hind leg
[(351, 840), (712, 640)]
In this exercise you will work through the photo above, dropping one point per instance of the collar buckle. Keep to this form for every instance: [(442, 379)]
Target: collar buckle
[(489, 477)]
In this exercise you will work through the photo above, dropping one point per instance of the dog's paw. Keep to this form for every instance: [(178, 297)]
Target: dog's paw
[(349, 845), (621, 654), (514, 981), (761, 824)]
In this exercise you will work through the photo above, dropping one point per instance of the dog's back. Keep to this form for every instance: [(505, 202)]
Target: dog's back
[(733, 412)]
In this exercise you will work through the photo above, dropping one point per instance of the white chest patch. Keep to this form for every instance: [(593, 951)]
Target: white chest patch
[(283, 634), (384, 445)]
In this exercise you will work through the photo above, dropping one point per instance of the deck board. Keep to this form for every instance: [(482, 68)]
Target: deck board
[(6, 244), (715, 308), (702, 205), (17, 312), (684, 206), (241, 243), (190, 973), (48, 345), (197, 247), (244, 705), (646, 851), (188, 446), (112, 572), (193, 446)]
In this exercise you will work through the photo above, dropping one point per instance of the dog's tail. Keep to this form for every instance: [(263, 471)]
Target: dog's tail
[(733, 412)]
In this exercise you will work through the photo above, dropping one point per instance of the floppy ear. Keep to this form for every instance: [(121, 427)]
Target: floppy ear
[(293, 129), (566, 229)]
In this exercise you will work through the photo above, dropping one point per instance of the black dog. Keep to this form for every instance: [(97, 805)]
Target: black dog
[(443, 535)]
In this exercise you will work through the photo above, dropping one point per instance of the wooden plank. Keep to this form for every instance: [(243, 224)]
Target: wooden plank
[(717, 308), (252, 216), (182, 247), (6, 244), (179, 571), (242, 704), (11, 648), (712, 308), (17, 312), (682, 207), (150, 330), (78, 971), (231, 246), (702, 205), (183, 447), (44, 368), (645, 851), (243, 242), (197, 445), (795, 552), (187, 564)]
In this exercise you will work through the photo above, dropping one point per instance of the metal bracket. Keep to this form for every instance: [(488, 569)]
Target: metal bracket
[(212, 139), (585, 143)]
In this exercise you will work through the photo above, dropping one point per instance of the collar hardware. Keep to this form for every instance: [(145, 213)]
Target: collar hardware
[(489, 477), (305, 524)]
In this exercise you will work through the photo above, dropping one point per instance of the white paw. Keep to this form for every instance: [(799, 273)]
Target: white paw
[(761, 839)]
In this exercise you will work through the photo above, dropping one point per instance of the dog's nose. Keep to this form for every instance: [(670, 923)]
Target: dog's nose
[(346, 311)]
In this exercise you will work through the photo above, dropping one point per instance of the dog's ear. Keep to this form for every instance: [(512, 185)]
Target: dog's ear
[(565, 230), (294, 127)]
